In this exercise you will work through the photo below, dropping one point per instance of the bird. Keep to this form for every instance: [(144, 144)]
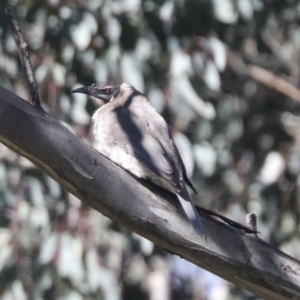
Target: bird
[(131, 133)]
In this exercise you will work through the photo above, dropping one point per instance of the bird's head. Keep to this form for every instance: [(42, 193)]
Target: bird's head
[(103, 95)]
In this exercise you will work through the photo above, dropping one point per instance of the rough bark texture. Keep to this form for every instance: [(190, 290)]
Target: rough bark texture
[(242, 259)]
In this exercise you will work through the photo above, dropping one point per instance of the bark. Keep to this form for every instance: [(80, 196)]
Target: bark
[(240, 258)]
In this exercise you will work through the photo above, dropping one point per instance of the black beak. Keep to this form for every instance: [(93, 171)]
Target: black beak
[(88, 90)]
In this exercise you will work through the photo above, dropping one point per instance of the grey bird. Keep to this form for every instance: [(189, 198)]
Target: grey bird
[(131, 133)]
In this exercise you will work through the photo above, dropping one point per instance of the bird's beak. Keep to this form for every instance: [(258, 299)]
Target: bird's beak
[(88, 90), (94, 92)]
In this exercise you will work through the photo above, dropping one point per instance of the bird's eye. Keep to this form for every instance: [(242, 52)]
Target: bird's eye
[(107, 91)]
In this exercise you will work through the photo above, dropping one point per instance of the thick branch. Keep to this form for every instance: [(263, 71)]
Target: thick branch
[(242, 259)]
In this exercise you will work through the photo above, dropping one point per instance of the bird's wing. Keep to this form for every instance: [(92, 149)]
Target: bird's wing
[(138, 139), (164, 158), (158, 129)]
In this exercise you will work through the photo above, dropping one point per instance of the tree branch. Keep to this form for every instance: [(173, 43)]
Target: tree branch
[(242, 259), (24, 56), (263, 76), (273, 81)]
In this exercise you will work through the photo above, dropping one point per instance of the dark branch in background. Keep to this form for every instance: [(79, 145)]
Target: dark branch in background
[(24, 56), (263, 76), (273, 81)]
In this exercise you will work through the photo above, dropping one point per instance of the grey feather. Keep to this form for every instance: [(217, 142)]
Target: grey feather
[(190, 211)]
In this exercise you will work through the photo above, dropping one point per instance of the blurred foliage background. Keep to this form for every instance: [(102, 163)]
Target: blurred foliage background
[(224, 74)]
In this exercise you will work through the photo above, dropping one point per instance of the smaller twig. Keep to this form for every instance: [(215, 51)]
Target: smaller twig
[(251, 221), (24, 56)]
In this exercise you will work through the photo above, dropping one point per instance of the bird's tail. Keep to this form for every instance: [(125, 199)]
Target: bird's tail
[(190, 211)]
